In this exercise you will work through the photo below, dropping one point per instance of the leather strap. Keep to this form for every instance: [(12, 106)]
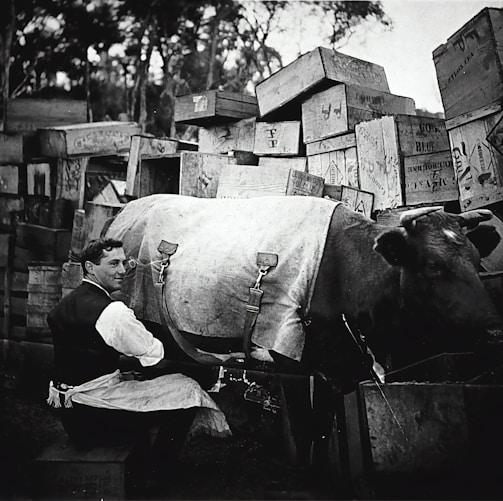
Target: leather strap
[(265, 261)]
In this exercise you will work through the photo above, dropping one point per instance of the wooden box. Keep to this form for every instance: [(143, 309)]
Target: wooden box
[(396, 179), (297, 163), (335, 160), (477, 163), (161, 175), (11, 148), (24, 115), (277, 138), (87, 139), (358, 200), (313, 70), (243, 181), (10, 206), (50, 243), (469, 65), (96, 217), (239, 136), (214, 106), (70, 180), (38, 179), (64, 471), (44, 293), (338, 109), (434, 433), (11, 179), (200, 173)]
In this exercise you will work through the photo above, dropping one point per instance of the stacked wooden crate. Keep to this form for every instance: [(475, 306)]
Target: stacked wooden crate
[(469, 70)]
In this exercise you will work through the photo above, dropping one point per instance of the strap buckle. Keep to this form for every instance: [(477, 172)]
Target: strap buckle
[(167, 249)]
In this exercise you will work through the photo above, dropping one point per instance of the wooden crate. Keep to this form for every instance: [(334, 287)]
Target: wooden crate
[(277, 138), (469, 65), (435, 433), (158, 176), (335, 160), (87, 139), (477, 164), (44, 293), (239, 136), (11, 148), (200, 173), (24, 115), (11, 179), (70, 180), (243, 181), (10, 206), (64, 471), (96, 216), (214, 106), (71, 277), (338, 109), (311, 71), (394, 178), (358, 200), (297, 163), (38, 179)]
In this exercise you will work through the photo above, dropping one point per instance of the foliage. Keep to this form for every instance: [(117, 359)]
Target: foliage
[(132, 57)]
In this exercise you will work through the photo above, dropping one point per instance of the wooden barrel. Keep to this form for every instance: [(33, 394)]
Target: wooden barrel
[(44, 292)]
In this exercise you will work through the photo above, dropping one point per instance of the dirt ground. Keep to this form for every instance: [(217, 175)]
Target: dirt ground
[(250, 465)]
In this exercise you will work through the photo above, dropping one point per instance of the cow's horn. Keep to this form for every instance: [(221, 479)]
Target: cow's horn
[(473, 217), (408, 217)]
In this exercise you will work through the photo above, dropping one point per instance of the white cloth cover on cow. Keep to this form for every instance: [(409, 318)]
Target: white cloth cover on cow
[(209, 276)]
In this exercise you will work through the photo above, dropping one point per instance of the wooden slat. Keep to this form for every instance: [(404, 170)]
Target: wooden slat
[(335, 143), (238, 136), (70, 183), (297, 163)]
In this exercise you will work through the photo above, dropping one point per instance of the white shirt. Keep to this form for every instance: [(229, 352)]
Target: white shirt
[(120, 329)]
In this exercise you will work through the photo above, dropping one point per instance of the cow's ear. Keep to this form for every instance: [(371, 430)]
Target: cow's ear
[(485, 238), (394, 247)]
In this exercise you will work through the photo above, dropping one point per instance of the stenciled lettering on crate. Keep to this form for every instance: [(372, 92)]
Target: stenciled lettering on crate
[(70, 183), (334, 159), (277, 138), (200, 173), (315, 68), (338, 109), (469, 65), (243, 181), (477, 164), (87, 139), (237, 136)]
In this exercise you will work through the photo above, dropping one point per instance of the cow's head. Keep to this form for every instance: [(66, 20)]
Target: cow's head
[(439, 259)]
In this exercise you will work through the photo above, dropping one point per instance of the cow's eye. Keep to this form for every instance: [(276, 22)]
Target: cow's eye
[(434, 267)]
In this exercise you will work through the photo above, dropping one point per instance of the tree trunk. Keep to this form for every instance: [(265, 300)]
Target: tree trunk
[(7, 49)]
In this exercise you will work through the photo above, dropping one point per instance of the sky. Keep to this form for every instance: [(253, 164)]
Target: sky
[(406, 51)]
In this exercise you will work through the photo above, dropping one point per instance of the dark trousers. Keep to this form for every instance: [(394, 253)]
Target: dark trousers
[(91, 426)]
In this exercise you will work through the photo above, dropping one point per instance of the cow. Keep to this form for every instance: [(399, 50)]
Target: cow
[(406, 290)]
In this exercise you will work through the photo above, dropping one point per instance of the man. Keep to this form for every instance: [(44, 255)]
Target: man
[(99, 404)]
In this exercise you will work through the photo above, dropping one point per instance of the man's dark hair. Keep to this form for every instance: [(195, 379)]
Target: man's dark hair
[(94, 250)]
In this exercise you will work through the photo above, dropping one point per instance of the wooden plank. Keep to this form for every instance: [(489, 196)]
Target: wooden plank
[(242, 181), (320, 66), (429, 178), (200, 173), (477, 164), (335, 143), (336, 167), (338, 109), (214, 106), (277, 138), (38, 178), (78, 233), (11, 148), (6, 243), (469, 65), (470, 116), (32, 114), (87, 139), (297, 163), (379, 162), (70, 183), (238, 136)]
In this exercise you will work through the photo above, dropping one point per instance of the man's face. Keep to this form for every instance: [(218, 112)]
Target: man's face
[(110, 271)]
